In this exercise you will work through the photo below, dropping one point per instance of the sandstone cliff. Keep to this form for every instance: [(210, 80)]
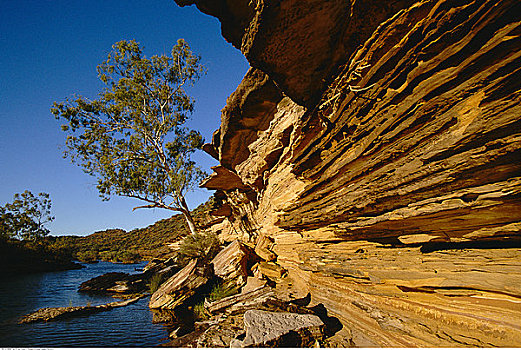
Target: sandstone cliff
[(373, 153)]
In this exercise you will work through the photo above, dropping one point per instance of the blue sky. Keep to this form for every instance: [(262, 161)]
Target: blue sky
[(49, 51)]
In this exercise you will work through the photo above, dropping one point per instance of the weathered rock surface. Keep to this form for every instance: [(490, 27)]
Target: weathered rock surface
[(270, 270), (402, 297), (221, 332), (255, 97), (217, 332), (156, 264), (432, 144), (232, 262), (114, 282), (241, 301), (280, 329), (226, 326), (181, 286), (395, 199), (299, 44), (253, 283), (263, 248), (53, 313), (224, 179)]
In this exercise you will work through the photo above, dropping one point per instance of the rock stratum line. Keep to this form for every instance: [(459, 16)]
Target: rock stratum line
[(373, 154)]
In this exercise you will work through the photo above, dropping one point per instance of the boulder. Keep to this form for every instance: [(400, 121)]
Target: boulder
[(220, 331), (164, 316), (120, 287), (280, 329), (232, 262), (158, 264), (182, 285), (271, 270), (253, 283), (262, 248), (114, 282)]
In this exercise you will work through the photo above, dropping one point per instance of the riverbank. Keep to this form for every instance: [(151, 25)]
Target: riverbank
[(20, 257)]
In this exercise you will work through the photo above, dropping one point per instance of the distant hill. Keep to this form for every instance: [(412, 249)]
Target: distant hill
[(127, 246)]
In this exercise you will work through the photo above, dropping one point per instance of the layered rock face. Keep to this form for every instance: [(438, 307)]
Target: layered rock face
[(374, 154)]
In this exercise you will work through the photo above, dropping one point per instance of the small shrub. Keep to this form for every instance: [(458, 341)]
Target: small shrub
[(200, 313), (222, 290), (155, 283), (203, 246)]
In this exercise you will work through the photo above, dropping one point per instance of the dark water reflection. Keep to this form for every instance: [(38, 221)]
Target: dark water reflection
[(129, 326)]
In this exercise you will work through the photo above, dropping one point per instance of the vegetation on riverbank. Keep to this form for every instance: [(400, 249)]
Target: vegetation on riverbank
[(51, 253), (24, 242), (117, 245), (29, 256)]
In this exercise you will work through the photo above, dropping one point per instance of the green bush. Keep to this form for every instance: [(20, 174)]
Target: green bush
[(155, 283), (203, 246), (107, 255), (222, 290), (88, 256), (200, 313), (127, 256)]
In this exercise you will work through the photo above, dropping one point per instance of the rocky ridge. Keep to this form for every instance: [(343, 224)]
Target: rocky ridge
[(372, 158)]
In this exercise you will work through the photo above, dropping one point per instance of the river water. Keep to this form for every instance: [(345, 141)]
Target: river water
[(129, 326)]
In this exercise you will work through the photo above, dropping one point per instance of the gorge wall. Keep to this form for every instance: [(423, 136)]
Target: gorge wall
[(372, 155)]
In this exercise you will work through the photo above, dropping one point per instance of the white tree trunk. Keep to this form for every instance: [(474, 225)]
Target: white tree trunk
[(188, 217), (190, 222)]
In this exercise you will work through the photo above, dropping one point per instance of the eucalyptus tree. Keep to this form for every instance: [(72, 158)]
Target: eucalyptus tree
[(133, 137), (26, 216)]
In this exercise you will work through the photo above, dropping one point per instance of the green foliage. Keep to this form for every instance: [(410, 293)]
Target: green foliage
[(26, 216), (128, 256), (222, 290), (119, 255), (200, 312), (88, 256), (219, 291), (132, 138), (149, 242), (203, 246), (155, 282), (32, 256)]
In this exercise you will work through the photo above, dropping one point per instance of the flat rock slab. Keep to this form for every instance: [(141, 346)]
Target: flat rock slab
[(114, 282), (257, 295), (53, 313), (264, 328), (181, 286)]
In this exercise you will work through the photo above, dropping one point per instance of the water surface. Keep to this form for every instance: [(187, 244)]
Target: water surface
[(129, 326)]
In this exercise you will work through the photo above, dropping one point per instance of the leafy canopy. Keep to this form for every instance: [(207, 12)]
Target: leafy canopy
[(26, 216), (132, 138)]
